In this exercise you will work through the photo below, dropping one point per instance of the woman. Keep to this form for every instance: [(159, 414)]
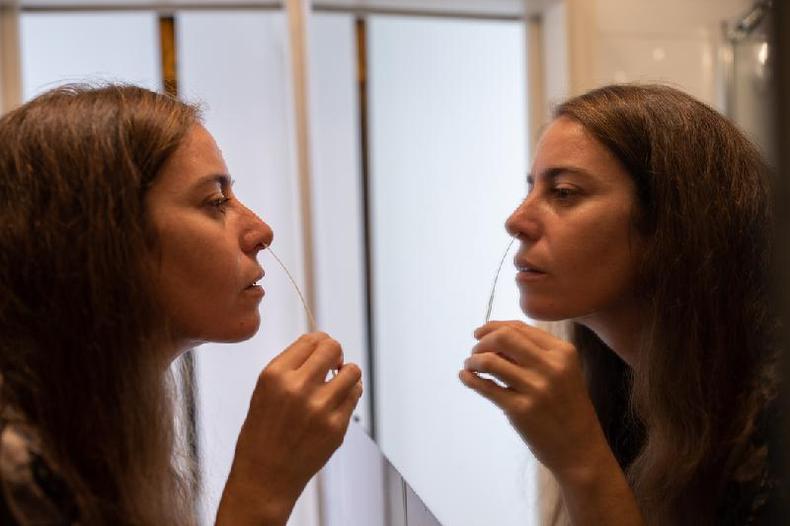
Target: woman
[(646, 225), (121, 246)]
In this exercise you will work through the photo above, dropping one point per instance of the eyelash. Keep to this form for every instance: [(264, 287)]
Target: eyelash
[(564, 194), (220, 203), (561, 193)]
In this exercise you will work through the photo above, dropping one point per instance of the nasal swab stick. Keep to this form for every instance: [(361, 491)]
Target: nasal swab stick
[(313, 324), (496, 278)]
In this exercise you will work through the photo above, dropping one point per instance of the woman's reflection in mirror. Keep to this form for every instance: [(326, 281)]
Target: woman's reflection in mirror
[(647, 225)]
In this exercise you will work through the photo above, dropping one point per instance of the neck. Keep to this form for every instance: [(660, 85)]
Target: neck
[(170, 348), (619, 328)]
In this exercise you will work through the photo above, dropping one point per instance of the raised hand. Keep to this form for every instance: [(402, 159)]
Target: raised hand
[(295, 422)]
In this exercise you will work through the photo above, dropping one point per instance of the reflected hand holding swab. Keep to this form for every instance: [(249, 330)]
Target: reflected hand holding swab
[(491, 305)]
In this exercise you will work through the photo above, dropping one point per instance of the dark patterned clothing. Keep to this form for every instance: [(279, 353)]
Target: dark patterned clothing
[(32, 494)]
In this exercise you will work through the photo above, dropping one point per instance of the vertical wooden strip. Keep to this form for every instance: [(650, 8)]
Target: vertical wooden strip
[(360, 27), (167, 43), (297, 11), (10, 62), (297, 32), (536, 80), (582, 44)]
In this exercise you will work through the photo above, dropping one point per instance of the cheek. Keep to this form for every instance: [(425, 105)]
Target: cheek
[(198, 287), (599, 263), (593, 267)]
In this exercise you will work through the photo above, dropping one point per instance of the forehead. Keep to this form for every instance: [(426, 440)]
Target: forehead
[(566, 143), (197, 156)]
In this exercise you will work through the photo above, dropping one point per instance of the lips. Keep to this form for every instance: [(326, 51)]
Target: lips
[(254, 282), (523, 265)]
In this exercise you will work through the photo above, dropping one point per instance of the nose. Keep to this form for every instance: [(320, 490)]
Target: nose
[(524, 223), (256, 234)]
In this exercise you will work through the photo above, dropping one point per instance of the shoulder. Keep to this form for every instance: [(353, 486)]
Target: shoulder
[(31, 493)]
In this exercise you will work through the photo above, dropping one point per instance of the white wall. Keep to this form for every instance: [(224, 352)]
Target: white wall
[(88, 47), (556, 84), (673, 41), (448, 147)]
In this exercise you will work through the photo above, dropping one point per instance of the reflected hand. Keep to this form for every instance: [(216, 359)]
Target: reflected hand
[(295, 422), (544, 395)]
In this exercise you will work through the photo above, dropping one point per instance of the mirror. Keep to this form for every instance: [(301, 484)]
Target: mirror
[(454, 105), (422, 118)]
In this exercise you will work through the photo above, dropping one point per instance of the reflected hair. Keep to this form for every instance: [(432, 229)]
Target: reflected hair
[(679, 420), (79, 359)]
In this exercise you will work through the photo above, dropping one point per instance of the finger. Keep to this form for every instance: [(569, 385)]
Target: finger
[(327, 355), (491, 326), (347, 406), (512, 344), (540, 337), (512, 375), (297, 353), (337, 389), (486, 388)]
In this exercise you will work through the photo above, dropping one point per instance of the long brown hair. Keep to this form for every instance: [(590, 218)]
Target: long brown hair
[(678, 420), (78, 359)]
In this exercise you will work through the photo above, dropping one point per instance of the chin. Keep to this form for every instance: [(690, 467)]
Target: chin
[(543, 310), (235, 332), (246, 331)]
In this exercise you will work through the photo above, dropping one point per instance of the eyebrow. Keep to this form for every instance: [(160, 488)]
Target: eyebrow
[(553, 173), (224, 180)]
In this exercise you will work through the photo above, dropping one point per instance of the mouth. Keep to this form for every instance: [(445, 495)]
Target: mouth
[(525, 266), (528, 272), (255, 283)]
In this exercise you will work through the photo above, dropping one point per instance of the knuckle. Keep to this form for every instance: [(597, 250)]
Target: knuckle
[(330, 353), (271, 375), (353, 370), (567, 348), (306, 338), (313, 338), (502, 336), (315, 408), (265, 375), (563, 368), (555, 371), (336, 427), (332, 347), (293, 388), (541, 388), (523, 406), (484, 361)]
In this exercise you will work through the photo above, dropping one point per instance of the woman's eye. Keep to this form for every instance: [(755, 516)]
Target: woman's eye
[(563, 193), (220, 203)]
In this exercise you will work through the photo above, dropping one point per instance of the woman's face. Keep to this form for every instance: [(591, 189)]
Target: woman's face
[(207, 243), (577, 255)]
